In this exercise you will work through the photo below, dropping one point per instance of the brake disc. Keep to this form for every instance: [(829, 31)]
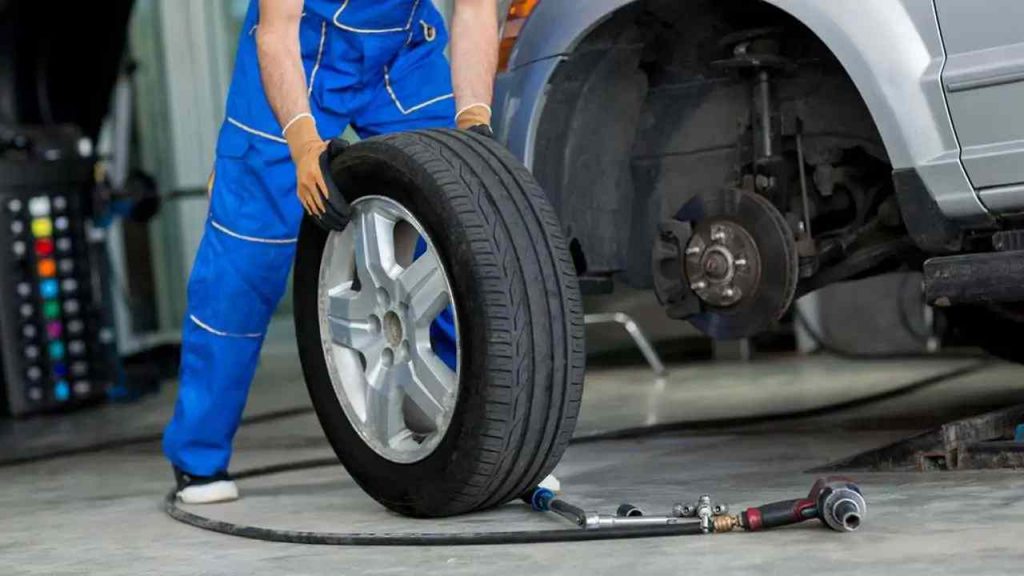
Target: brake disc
[(740, 262)]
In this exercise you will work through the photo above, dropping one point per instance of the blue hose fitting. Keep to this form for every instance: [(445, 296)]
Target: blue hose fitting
[(541, 499)]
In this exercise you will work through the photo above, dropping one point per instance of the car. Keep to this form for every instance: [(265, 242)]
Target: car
[(733, 155)]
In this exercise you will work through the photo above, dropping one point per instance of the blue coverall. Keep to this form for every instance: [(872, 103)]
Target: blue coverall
[(378, 65)]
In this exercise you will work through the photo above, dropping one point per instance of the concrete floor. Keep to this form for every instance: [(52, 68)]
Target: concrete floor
[(100, 513)]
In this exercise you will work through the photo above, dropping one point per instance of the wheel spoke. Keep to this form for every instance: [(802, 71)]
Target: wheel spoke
[(430, 384), (383, 404), (375, 249), (349, 318), (422, 285)]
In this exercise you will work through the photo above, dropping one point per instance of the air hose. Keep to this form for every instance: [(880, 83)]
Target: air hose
[(837, 502), (792, 511), (406, 538)]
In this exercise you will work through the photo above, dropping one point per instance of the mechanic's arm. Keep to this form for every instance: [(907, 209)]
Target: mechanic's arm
[(284, 82), (474, 52)]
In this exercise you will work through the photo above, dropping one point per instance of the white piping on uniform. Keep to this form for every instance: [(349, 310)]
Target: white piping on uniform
[(251, 130), (234, 234), (373, 30), (407, 111), (408, 23), (216, 332), (319, 55)]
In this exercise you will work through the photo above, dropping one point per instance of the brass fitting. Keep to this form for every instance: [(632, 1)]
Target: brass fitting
[(725, 523)]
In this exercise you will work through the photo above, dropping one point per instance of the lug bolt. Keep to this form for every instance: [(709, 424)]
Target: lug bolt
[(693, 251), (729, 292), (698, 285), (740, 262), (718, 235)]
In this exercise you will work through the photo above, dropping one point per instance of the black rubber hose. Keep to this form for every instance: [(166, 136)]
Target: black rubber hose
[(407, 538), (569, 512), (517, 537)]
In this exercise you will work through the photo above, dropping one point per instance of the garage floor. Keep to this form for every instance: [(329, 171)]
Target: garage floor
[(100, 513)]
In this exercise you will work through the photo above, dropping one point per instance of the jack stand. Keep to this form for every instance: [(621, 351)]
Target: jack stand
[(634, 331)]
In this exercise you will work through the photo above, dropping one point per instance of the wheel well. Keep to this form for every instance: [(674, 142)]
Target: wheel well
[(640, 118)]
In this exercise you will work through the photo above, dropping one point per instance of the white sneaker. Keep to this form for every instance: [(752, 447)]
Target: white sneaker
[(205, 489)]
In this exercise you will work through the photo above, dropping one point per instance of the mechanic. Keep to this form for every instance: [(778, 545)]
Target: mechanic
[(304, 70)]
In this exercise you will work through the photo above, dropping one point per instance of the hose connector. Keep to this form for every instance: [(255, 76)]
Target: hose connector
[(540, 499), (724, 523)]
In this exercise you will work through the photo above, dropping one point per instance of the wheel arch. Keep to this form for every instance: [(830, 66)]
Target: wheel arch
[(903, 93), (556, 27), (891, 50)]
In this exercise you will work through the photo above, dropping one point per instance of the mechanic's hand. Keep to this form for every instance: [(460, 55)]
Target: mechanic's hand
[(475, 118), (311, 188), (482, 129), (306, 146)]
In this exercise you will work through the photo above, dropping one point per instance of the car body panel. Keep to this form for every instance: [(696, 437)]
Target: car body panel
[(556, 26), (519, 98), (892, 50), (984, 83)]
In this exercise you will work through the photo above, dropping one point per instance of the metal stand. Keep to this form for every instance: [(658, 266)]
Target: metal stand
[(633, 329)]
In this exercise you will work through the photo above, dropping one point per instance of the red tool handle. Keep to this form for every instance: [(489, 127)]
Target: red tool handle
[(778, 514)]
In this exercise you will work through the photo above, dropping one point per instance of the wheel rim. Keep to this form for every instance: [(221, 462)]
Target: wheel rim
[(376, 302)]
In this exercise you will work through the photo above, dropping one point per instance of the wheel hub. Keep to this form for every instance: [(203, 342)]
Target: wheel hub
[(377, 302), (722, 263), (727, 262), (393, 329)]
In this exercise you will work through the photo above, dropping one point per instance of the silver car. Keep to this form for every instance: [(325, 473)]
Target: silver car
[(735, 154)]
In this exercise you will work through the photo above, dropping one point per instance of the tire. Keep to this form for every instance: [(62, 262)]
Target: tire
[(998, 329), (518, 312)]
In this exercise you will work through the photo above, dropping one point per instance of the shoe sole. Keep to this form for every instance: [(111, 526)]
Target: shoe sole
[(214, 492)]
